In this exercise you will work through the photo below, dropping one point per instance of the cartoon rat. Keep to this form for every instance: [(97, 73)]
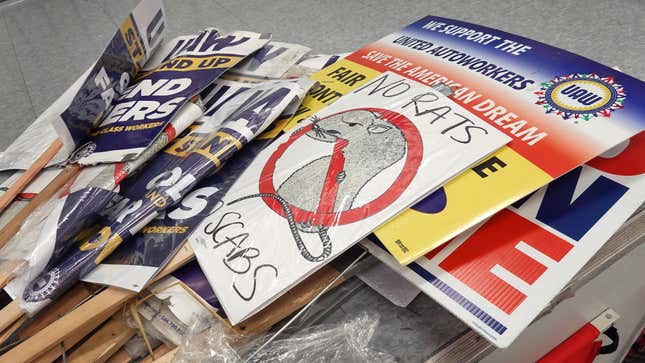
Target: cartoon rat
[(369, 144)]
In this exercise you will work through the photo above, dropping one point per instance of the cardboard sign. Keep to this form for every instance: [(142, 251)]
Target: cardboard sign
[(146, 107), (135, 263), (560, 110), (272, 61), (52, 229), (164, 190), (315, 192), (500, 275), (126, 53)]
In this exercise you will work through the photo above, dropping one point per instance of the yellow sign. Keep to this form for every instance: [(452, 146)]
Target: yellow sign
[(471, 197)]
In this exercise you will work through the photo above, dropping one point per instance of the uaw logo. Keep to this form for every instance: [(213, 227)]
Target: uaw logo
[(581, 96), (43, 286)]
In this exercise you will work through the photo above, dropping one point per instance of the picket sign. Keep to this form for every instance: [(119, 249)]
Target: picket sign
[(73, 118), (13, 226), (29, 174), (75, 325), (500, 275)]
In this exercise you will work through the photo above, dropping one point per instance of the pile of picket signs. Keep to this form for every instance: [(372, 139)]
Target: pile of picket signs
[(208, 187)]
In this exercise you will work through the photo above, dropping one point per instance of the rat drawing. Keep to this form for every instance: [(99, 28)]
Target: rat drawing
[(365, 145)]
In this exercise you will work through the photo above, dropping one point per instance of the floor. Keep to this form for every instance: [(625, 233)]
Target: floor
[(46, 44)]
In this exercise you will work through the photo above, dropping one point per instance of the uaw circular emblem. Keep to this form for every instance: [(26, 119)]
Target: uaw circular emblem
[(581, 96), (43, 286)]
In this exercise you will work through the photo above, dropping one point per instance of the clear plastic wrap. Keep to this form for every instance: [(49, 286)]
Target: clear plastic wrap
[(136, 347), (389, 283), (156, 323), (318, 189), (209, 340), (49, 231)]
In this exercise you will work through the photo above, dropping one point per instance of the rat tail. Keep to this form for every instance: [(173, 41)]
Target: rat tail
[(322, 232)]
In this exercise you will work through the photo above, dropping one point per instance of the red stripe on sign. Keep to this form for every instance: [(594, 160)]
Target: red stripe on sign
[(119, 173), (329, 191), (170, 132), (494, 243), (629, 162)]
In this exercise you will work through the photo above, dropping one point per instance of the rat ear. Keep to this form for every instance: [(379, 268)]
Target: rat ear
[(377, 128)]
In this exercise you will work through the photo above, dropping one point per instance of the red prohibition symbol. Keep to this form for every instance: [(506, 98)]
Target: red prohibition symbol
[(325, 213)]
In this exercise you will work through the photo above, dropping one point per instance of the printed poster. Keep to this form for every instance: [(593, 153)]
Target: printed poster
[(146, 107), (560, 110), (138, 36), (270, 62), (81, 106), (499, 276), (63, 221), (318, 190), (134, 263)]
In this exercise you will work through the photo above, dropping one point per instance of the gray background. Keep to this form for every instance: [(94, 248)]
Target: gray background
[(46, 44)]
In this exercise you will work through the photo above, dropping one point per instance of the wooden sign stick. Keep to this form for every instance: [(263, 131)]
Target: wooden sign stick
[(104, 342), (85, 318), (13, 226), (12, 329), (9, 314), (98, 309), (30, 174), (66, 303), (72, 299), (7, 270), (163, 353), (121, 356), (52, 355)]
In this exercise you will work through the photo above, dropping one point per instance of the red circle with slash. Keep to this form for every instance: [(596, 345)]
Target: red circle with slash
[(412, 163)]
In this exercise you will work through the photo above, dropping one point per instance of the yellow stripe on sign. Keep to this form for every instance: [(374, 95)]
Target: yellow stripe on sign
[(213, 143), (114, 242), (186, 64), (133, 42), (470, 199), (183, 145), (107, 239), (274, 130), (334, 81)]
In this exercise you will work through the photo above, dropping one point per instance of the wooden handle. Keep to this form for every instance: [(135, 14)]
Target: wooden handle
[(104, 342), (83, 319), (66, 303), (163, 353), (92, 313), (121, 356), (12, 329), (30, 174), (7, 270), (74, 325), (13, 226), (9, 314)]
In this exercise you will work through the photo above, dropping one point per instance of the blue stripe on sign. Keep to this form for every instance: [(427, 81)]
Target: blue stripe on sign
[(458, 298), (452, 293)]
